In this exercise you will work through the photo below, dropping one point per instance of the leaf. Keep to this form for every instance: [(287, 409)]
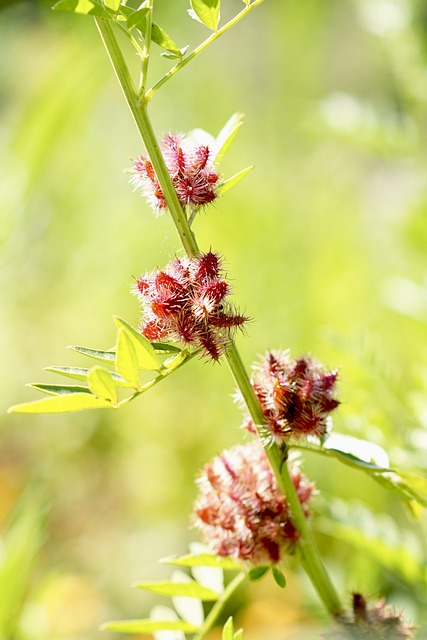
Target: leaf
[(85, 7), (20, 547), (145, 354), (110, 356), (227, 135), (231, 182), (189, 608), (78, 373), (61, 404), (228, 630), (138, 19), (58, 389), (257, 573), (363, 450), (201, 560), (113, 5), (102, 385), (146, 625), (175, 56), (189, 589), (238, 635), (207, 12), (374, 534), (164, 348), (210, 577), (126, 359), (173, 363), (279, 577), (160, 612)]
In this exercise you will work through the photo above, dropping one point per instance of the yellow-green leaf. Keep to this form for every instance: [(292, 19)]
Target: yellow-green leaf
[(126, 358), (207, 12), (102, 385), (149, 626), (189, 589), (145, 353), (85, 7), (231, 182), (227, 135), (201, 560), (113, 5), (61, 404)]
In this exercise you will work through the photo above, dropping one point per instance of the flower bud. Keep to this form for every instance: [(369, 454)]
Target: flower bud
[(239, 509)]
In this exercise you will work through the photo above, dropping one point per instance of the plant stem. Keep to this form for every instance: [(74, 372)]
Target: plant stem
[(219, 605), (147, 43), (204, 45), (139, 112), (310, 555)]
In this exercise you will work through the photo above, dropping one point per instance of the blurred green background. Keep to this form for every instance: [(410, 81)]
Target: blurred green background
[(325, 243)]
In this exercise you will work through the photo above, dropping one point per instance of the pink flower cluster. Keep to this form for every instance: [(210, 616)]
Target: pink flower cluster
[(239, 509), (296, 396), (191, 167), (186, 302)]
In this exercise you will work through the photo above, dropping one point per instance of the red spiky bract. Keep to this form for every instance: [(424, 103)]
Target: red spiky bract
[(296, 396), (240, 511), (187, 302), (191, 167)]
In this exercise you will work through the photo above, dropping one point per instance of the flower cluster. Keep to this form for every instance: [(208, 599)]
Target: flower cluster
[(192, 170), (296, 396), (239, 509), (379, 622), (186, 302)]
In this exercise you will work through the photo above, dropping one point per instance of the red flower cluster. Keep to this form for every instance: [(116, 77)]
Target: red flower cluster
[(379, 621), (192, 170), (240, 511), (186, 302), (296, 396)]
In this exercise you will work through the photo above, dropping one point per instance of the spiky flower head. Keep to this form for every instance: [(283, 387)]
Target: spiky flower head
[(239, 509), (296, 396), (371, 622), (187, 302), (191, 167)]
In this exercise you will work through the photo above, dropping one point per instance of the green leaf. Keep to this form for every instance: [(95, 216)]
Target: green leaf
[(189, 589), (138, 19), (231, 182), (207, 12), (78, 373), (148, 626), (353, 461), (227, 135), (164, 348), (145, 354), (279, 577), (201, 560), (113, 5), (176, 361), (85, 7), (257, 573), (61, 404), (376, 535), (238, 635), (228, 630), (109, 356), (20, 547), (58, 389), (126, 359), (102, 385)]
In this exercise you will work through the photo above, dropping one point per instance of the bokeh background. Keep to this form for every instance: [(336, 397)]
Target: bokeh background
[(325, 243)]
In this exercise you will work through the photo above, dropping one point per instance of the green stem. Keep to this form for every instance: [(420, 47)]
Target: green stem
[(139, 112), (204, 45), (147, 44), (219, 605), (310, 555)]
